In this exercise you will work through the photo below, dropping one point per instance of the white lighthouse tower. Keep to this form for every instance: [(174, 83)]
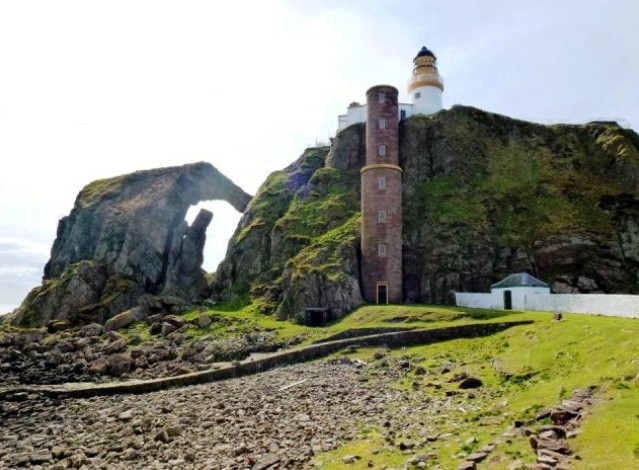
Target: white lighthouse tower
[(425, 89), (425, 86)]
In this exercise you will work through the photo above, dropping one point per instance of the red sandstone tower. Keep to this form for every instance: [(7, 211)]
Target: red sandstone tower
[(382, 199)]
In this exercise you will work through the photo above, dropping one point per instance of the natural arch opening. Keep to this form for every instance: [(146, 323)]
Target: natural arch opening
[(218, 233)]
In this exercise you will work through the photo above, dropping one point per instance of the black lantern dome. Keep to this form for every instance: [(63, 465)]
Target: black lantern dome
[(425, 52)]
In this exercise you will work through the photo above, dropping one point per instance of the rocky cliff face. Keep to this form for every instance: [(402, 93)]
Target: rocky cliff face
[(126, 236), (484, 196), (297, 244)]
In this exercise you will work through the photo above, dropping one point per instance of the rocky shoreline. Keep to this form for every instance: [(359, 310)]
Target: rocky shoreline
[(96, 354), (284, 419), (278, 419)]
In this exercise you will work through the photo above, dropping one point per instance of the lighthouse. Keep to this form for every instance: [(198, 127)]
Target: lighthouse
[(381, 176), (425, 89), (425, 86)]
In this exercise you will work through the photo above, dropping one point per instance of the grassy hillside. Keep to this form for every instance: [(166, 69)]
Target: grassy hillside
[(524, 370)]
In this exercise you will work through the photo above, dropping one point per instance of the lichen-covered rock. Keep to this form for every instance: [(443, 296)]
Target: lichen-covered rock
[(324, 274), (126, 236)]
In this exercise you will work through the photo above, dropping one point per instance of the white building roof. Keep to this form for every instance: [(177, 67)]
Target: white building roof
[(519, 280)]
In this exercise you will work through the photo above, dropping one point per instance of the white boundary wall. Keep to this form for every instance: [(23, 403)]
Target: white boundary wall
[(472, 300), (614, 305)]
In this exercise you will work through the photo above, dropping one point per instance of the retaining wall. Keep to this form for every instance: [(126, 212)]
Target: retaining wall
[(404, 338), (358, 332)]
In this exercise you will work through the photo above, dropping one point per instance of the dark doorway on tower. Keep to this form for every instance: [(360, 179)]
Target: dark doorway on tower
[(508, 300), (382, 293)]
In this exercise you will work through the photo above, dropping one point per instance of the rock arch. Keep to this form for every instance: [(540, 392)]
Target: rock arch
[(126, 236)]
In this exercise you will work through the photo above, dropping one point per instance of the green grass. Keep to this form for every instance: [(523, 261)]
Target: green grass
[(373, 316), (412, 316), (524, 369), (96, 190), (370, 449), (612, 432)]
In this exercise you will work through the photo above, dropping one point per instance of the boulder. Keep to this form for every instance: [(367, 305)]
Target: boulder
[(99, 367), (168, 328), (174, 320), (203, 320), (91, 330), (119, 364), (55, 326), (124, 319), (115, 346)]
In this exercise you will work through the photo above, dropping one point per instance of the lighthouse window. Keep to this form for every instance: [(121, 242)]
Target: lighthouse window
[(381, 217), (381, 182), (381, 250), (381, 150), (382, 123), (381, 97), (418, 95)]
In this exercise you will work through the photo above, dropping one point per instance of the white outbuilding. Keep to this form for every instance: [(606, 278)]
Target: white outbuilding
[(512, 292), (521, 291)]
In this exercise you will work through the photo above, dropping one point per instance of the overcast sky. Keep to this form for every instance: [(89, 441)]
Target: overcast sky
[(94, 89)]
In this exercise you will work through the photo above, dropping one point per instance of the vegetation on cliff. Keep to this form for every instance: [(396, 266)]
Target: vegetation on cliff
[(297, 242), (484, 195)]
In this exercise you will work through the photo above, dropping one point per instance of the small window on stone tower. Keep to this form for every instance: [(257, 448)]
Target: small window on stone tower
[(381, 97), (381, 250), (418, 95), (381, 182), (382, 123), (381, 150), (381, 217)]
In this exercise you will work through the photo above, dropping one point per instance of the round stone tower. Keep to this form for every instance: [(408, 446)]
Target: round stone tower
[(425, 86), (382, 199)]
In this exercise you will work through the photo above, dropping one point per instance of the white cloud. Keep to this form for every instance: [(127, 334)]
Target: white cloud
[(94, 89)]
